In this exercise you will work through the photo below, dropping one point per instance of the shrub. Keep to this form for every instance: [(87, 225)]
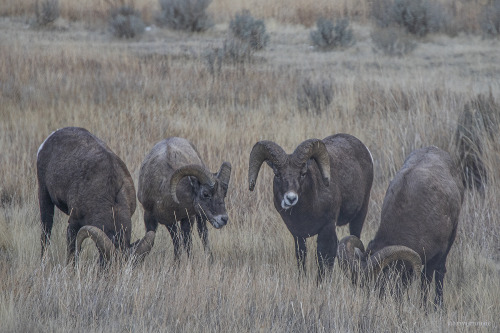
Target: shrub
[(329, 35), (126, 22), (314, 96), (47, 13), (392, 41), (489, 19), (418, 17), (237, 51), (249, 30), (234, 52), (187, 15)]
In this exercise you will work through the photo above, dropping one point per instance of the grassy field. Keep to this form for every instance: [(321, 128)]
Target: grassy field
[(134, 93)]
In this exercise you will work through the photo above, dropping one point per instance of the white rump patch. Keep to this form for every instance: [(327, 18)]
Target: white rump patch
[(369, 152), (41, 146)]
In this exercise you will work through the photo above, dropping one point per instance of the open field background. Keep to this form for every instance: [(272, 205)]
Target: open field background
[(134, 93)]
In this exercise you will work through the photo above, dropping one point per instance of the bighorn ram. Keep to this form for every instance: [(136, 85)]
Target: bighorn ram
[(418, 222), (324, 183), (175, 185), (79, 174)]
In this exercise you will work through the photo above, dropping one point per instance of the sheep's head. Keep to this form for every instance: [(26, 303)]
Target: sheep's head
[(364, 266), (290, 171), (209, 191)]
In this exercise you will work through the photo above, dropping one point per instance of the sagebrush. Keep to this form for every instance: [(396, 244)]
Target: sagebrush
[(392, 41), (46, 12), (417, 17), (246, 28), (330, 35), (189, 15), (126, 22)]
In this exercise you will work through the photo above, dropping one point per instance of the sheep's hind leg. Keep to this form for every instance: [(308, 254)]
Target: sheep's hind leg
[(426, 281), (150, 221), (71, 233), (356, 224), (439, 278), (47, 218)]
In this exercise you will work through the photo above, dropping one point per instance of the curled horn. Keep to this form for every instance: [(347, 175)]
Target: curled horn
[(261, 151), (315, 149), (224, 173), (141, 248), (352, 258), (101, 240), (350, 251), (383, 258), (202, 174)]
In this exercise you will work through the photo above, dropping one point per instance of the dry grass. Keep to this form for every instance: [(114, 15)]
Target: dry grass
[(134, 94)]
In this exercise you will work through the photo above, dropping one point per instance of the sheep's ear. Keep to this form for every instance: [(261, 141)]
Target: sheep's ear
[(195, 184), (306, 166)]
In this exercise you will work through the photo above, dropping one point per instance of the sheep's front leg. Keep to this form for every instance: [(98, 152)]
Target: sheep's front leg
[(186, 228), (173, 230), (201, 224), (300, 252), (326, 249)]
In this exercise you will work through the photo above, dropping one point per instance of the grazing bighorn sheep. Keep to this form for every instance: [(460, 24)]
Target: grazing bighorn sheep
[(418, 222), (324, 183), (79, 174), (175, 185)]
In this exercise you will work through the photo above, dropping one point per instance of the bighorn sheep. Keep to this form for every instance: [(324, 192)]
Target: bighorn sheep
[(79, 174), (175, 185), (324, 183), (418, 222)]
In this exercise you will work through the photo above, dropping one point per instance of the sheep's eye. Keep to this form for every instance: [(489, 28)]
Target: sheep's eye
[(303, 174), (277, 175), (206, 194)]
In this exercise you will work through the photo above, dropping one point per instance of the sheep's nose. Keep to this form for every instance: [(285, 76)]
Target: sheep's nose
[(224, 219), (291, 198)]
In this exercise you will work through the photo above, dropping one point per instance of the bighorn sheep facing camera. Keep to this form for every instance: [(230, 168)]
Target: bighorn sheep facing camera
[(175, 185), (323, 184), (79, 174), (418, 222)]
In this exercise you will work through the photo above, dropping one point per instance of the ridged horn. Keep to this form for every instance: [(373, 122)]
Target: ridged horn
[(262, 151), (224, 173), (389, 254), (101, 240), (372, 266), (195, 170), (315, 149), (144, 246), (346, 254)]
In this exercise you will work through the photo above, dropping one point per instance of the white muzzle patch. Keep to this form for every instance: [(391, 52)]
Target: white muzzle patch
[(219, 221), (289, 199)]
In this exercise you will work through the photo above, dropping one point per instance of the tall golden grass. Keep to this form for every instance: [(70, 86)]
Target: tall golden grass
[(133, 94)]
